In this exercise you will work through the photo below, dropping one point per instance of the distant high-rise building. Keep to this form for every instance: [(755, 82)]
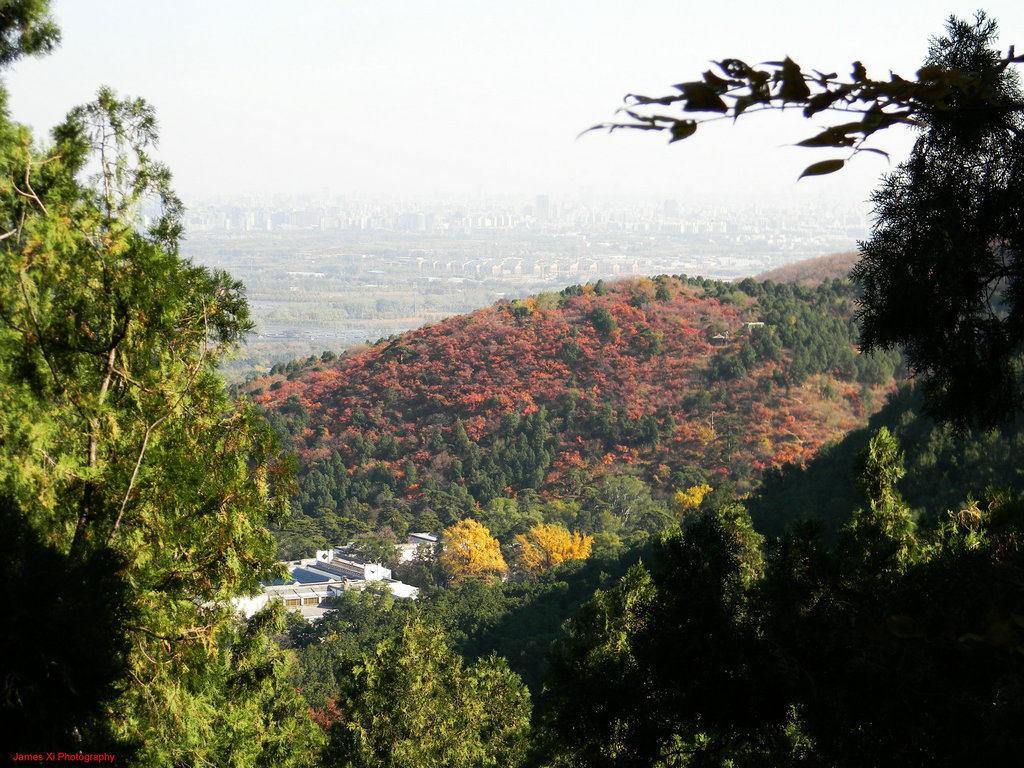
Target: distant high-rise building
[(543, 208)]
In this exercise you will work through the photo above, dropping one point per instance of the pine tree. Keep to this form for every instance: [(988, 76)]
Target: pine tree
[(122, 461), (411, 704)]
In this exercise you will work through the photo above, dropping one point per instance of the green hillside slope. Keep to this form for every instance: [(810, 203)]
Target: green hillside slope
[(672, 381)]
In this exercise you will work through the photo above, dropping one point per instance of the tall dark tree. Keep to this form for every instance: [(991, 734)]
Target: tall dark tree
[(942, 272)]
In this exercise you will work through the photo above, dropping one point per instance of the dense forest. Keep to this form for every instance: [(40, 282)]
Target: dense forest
[(683, 522), (645, 387), (942, 469)]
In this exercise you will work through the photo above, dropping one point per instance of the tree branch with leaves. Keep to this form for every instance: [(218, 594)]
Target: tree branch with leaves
[(941, 274), (734, 88)]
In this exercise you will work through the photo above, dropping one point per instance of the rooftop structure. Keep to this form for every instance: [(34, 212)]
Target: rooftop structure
[(414, 546), (312, 580)]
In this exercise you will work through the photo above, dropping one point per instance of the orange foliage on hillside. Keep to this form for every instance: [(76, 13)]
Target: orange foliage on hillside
[(691, 375)]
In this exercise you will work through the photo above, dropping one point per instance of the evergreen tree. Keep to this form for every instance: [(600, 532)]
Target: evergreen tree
[(122, 462), (941, 273), (411, 704)]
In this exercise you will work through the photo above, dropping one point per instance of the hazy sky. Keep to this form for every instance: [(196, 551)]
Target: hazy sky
[(371, 97)]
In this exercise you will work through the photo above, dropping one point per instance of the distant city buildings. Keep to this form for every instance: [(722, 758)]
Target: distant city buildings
[(771, 225), (336, 272)]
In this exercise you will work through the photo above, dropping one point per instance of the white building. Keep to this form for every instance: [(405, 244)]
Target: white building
[(314, 579), (415, 545)]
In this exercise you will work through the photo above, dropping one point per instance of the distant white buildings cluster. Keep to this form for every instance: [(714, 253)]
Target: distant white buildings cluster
[(539, 216), (332, 572)]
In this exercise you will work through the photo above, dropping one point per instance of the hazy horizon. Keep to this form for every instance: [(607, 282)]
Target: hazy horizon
[(461, 98)]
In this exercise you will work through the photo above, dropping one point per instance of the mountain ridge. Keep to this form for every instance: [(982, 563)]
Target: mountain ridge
[(811, 272), (675, 380)]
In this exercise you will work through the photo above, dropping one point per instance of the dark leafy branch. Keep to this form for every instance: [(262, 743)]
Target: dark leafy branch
[(734, 88)]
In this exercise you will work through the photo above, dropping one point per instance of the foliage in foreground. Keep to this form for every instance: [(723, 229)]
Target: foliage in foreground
[(897, 647), (411, 704), (129, 483)]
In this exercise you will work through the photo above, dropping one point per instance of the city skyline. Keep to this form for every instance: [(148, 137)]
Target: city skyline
[(465, 98)]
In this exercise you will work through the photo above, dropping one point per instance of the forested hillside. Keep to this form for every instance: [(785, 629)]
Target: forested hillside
[(943, 468), (811, 272), (630, 479), (676, 381)]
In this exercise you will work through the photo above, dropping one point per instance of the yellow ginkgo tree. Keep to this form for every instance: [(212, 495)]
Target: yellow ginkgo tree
[(546, 546), (688, 501), (469, 550)]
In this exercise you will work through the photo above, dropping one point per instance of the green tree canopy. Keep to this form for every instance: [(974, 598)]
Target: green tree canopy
[(123, 464), (411, 704), (26, 29), (900, 647)]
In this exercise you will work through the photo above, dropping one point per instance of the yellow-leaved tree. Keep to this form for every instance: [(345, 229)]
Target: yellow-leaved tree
[(470, 550), (685, 502), (546, 546)]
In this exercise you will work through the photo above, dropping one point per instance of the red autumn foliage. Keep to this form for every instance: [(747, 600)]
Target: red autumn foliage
[(650, 392)]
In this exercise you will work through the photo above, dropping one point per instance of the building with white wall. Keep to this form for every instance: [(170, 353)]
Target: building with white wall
[(311, 581)]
